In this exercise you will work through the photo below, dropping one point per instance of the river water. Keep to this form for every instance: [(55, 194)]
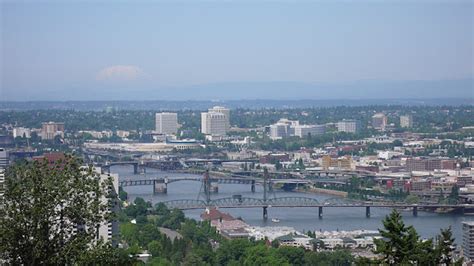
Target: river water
[(427, 224)]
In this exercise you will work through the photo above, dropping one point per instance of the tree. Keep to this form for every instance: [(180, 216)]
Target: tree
[(262, 255), (402, 244), (294, 255), (444, 248), (454, 195), (51, 212), (338, 257)]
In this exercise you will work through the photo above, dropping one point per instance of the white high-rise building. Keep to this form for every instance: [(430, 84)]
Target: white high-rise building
[(21, 132), (283, 128), (468, 240), (350, 126), (214, 123), (406, 121), (166, 123), (307, 130), (222, 110)]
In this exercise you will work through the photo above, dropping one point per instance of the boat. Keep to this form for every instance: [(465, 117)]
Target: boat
[(275, 220)]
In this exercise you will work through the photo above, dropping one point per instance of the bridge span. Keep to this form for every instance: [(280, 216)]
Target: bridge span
[(303, 202), (160, 184)]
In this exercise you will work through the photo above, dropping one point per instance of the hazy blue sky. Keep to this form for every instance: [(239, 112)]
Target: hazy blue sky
[(89, 50)]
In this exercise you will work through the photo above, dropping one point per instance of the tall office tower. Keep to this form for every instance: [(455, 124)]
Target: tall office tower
[(166, 123), (379, 121), (350, 126), (214, 123), (222, 110), (468, 240), (406, 121), (50, 130)]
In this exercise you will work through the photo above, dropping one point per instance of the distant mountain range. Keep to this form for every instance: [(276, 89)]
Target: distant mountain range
[(275, 94)]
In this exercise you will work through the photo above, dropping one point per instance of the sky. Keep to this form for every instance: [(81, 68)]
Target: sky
[(185, 50)]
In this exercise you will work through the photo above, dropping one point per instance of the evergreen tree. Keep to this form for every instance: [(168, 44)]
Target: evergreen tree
[(401, 244), (444, 248)]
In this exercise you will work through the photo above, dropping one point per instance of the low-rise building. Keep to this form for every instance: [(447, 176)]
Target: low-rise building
[(296, 240)]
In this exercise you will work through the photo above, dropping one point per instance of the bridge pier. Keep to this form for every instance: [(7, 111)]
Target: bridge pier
[(415, 211), (367, 211), (265, 213), (252, 187), (160, 187), (320, 212), (135, 169)]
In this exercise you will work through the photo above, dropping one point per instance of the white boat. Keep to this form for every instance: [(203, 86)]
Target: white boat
[(275, 220)]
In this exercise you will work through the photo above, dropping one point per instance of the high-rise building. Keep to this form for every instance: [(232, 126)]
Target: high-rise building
[(468, 240), (49, 130), (166, 123), (406, 121), (283, 128), (379, 121), (222, 110), (309, 130), (350, 126), (278, 131), (21, 132), (214, 123), (4, 161)]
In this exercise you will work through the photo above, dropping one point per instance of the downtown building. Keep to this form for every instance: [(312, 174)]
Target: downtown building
[(379, 121), (214, 123), (406, 121), (21, 132), (4, 162), (468, 240), (288, 128), (349, 126), (309, 130), (166, 123), (49, 130), (222, 110)]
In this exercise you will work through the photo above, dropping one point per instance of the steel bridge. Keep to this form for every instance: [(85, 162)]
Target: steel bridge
[(302, 202), (238, 201), (160, 184)]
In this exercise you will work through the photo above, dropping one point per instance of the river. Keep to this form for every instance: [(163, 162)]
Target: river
[(427, 224)]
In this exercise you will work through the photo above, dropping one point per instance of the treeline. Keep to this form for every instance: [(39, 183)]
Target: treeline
[(428, 119)]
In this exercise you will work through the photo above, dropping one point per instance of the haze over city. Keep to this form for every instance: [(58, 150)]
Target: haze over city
[(165, 50)]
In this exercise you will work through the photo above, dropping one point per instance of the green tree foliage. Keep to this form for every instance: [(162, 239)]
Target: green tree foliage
[(262, 255), (232, 251), (402, 245), (51, 212), (444, 248), (338, 257)]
